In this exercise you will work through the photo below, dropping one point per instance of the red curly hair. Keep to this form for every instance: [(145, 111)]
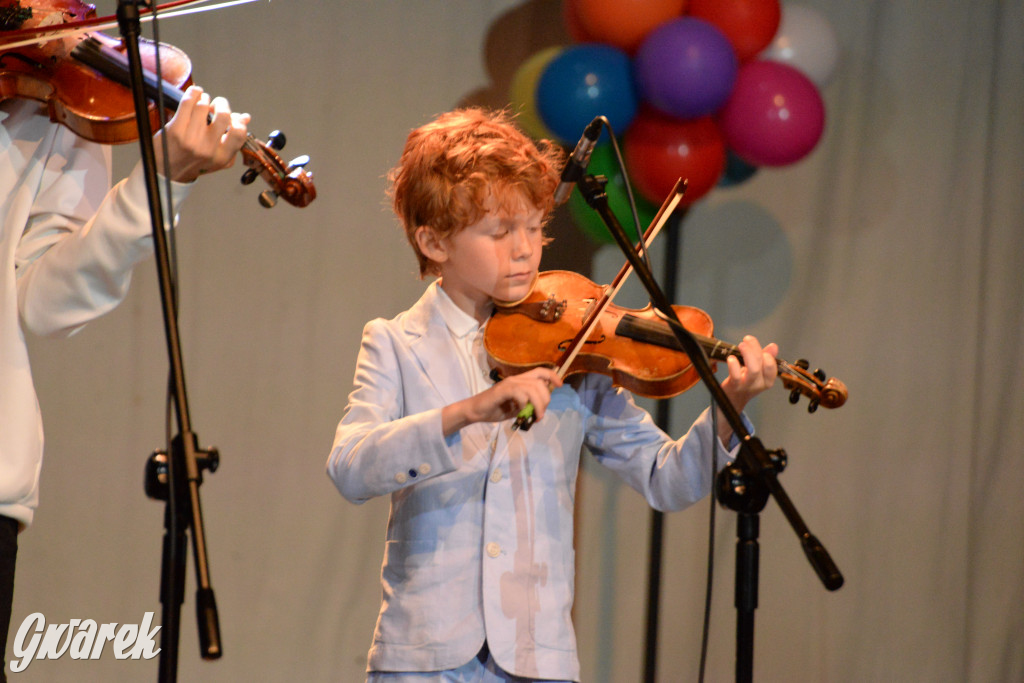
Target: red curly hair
[(451, 166)]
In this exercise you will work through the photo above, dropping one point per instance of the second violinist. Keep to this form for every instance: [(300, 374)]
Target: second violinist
[(478, 569), (68, 244)]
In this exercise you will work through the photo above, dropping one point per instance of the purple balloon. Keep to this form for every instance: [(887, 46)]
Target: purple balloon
[(775, 115), (685, 68)]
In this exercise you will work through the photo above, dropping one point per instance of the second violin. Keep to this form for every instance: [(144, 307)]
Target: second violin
[(83, 79)]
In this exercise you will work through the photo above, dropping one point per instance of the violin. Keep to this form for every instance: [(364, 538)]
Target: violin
[(84, 81), (636, 348), (569, 323)]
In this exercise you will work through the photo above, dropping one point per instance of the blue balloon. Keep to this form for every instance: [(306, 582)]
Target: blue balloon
[(685, 68), (583, 82)]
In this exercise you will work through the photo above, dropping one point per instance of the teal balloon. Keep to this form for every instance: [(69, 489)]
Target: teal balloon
[(737, 170), (590, 223)]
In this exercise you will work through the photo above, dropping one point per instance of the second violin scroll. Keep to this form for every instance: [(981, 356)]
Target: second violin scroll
[(634, 347)]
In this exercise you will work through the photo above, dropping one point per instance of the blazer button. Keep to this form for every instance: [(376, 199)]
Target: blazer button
[(425, 468), (401, 477), (496, 476), (493, 549)]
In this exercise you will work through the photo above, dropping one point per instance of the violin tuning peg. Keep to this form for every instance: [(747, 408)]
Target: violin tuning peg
[(802, 364), (268, 199), (812, 405), (276, 140), (794, 396), (298, 162), (819, 374), (249, 176)]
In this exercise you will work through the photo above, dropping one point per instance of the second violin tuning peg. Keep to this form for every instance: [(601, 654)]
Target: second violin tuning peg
[(276, 140), (268, 199), (298, 162)]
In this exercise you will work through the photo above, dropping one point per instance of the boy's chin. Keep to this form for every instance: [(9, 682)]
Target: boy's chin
[(510, 296)]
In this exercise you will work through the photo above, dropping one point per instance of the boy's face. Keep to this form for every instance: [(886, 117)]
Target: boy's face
[(496, 258)]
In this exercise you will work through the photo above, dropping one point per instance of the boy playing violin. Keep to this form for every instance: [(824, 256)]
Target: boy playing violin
[(478, 565)]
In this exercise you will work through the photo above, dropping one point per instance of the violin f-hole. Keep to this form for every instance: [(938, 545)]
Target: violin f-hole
[(565, 343)]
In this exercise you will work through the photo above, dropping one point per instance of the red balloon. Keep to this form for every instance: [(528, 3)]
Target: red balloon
[(749, 25), (571, 19), (623, 23), (660, 149)]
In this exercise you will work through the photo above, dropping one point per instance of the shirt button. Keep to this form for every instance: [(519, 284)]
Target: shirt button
[(493, 549), (400, 477), (496, 476), (425, 468)]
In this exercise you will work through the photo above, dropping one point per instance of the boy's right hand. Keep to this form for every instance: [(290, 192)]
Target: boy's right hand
[(503, 401)]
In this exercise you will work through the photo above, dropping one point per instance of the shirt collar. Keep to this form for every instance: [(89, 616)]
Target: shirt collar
[(458, 321)]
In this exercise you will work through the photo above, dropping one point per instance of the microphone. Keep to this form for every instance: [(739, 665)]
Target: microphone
[(576, 165)]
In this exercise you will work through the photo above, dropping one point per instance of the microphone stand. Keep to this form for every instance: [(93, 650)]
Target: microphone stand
[(174, 477), (744, 485)]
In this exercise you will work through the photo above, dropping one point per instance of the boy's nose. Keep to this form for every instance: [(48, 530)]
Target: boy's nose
[(522, 246)]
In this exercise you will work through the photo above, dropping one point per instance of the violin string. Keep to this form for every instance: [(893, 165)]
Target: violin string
[(595, 315), (720, 350)]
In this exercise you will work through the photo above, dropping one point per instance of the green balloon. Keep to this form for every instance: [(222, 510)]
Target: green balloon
[(590, 223)]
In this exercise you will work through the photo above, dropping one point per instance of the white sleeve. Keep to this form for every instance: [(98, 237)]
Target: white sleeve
[(75, 257), (376, 444)]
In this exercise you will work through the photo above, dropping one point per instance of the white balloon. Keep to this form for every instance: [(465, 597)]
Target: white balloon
[(806, 41)]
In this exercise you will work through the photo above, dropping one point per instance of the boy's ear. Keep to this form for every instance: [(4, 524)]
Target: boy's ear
[(430, 245)]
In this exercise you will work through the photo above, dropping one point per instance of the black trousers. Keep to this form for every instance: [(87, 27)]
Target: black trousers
[(8, 556)]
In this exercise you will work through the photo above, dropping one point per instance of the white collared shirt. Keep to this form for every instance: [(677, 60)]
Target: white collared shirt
[(468, 336)]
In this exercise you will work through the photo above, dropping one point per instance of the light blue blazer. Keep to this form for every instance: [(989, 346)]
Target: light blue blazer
[(480, 535)]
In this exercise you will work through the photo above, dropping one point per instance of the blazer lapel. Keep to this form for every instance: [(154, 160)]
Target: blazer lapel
[(431, 343)]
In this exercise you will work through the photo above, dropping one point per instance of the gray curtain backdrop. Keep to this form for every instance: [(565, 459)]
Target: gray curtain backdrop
[(891, 257)]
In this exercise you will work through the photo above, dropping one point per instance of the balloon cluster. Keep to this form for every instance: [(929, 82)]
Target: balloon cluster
[(706, 90)]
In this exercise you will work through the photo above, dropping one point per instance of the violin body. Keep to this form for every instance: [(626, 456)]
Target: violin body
[(529, 335), (89, 104)]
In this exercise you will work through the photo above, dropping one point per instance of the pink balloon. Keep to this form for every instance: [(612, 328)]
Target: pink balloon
[(775, 115)]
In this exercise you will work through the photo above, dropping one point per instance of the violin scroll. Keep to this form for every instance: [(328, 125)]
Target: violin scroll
[(827, 393), (290, 181)]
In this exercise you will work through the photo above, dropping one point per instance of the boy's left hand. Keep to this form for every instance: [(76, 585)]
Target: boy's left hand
[(203, 136), (755, 374)]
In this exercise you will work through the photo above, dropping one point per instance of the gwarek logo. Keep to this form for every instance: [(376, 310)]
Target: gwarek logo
[(81, 639)]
